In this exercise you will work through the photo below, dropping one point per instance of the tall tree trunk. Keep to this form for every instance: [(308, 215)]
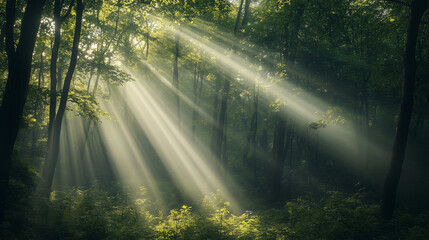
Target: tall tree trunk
[(290, 49), (14, 96), (253, 131), (176, 76), (147, 45), (89, 81), (222, 120), (277, 162), (246, 13), (290, 145), (195, 95), (54, 144), (97, 79), (237, 20), (251, 136), (53, 66), (215, 125), (38, 109), (418, 7), (58, 19), (41, 80)]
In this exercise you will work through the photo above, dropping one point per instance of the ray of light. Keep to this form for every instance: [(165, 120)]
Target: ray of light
[(191, 168), (128, 159), (301, 106), (170, 86)]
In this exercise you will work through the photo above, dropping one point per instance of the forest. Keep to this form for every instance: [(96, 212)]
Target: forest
[(214, 119)]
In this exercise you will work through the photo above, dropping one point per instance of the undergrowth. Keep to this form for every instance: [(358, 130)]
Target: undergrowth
[(96, 213)]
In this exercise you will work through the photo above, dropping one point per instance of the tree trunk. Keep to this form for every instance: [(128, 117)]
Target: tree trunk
[(418, 7), (97, 79), (246, 13), (147, 45), (277, 161), (251, 136), (176, 76), (237, 20), (279, 150), (195, 95), (215, 126), (89, 80), (222, 120), (14, 96), (53, 66), (253, 131), (41, 80), (54, 144)]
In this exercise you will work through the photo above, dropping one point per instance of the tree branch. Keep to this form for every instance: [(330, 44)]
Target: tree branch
[(68, 11)]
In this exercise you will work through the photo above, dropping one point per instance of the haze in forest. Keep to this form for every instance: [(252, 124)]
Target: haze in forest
[(219, 119)]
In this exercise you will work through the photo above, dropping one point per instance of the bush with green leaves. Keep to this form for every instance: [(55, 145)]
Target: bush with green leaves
[(110, 213), (95, 214), (336, 217)]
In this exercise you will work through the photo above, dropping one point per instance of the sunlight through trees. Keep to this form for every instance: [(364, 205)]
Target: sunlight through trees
[(218, 119)]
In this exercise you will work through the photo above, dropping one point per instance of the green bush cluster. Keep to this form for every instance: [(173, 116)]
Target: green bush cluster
[(92, 214), (108, 213)]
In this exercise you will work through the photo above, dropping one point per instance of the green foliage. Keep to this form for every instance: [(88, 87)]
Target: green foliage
[(95, 214), (179, 223), (337, 217), (101, 212), (85, 105)]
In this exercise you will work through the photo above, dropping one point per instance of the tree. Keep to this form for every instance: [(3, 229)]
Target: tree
[(14, 97), (418, 8), (280, 145), (54, 138)]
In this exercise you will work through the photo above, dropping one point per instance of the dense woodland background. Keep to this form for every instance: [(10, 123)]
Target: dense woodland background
[(217, 119)]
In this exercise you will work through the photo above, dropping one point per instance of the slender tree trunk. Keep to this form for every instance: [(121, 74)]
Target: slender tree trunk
[(14, 96), (418, 7), (224, 156), (290, 145), (215, 126), (54, 144), (277, 161), (237, 20), (37, 109), (147, 45), (176, 75), (89, 81), (222, 120), (279, 150), (253, 131), (246, 13), (251, 136), (41, 80), (195, 93), (97, 79), (53, 67), (60, 78)]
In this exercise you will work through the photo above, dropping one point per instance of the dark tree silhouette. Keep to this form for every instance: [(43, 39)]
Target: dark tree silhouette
[(418, 7), (19, 69)]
